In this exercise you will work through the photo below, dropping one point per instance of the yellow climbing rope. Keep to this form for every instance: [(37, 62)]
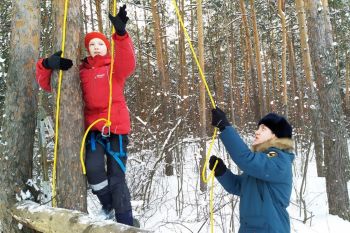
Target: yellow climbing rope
[(108, 122), (54, 202), (211, 175)]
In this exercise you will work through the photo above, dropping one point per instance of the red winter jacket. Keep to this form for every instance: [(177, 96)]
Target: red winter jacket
[(94, 77)]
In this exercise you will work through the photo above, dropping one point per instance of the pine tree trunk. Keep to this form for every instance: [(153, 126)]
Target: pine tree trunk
[(234, 103), (202, 105), (183, 82), (267, 80), (297, 94), (274, 99), (71, 184), (161, 61), (335, 142), (85, 17), (284, 56), (255, 102), (347, 85), (258, 60), (220, 98), (99, 15), (313, 99), (92, 21), (16, 147)]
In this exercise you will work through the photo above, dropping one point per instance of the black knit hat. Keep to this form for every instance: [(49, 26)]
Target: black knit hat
[(277, 124)]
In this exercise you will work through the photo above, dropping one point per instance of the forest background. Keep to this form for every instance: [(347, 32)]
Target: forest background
[(290, 57)]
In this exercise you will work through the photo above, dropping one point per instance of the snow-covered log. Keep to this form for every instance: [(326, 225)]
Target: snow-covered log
[(55, 220)]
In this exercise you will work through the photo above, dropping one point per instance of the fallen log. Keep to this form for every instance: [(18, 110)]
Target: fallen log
[(57, 220)]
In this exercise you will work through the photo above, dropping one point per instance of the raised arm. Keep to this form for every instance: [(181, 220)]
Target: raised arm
[(125, 63)]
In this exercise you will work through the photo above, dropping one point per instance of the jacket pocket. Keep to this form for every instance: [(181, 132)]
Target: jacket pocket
[(254, 224)]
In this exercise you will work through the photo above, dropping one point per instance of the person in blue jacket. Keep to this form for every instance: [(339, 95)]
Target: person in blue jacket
[(265, 185)]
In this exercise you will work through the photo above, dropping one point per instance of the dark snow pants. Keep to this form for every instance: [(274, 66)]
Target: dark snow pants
[(105, 175)]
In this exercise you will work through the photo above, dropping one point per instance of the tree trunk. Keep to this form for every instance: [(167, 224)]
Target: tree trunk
[(313, 99), (234, 93), (274, 99), (284, 55), (267, 80), (161, 61), (99, 15), (347, 85), (183, 64), (335, 142), (71, 184), (85, 17), (194, 80), (16, 147), (219, 80), (202, 105), (297, 94), (91, 16), (255, 102), (258, 60)]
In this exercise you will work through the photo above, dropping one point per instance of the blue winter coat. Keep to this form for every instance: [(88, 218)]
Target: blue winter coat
[(265, 185)]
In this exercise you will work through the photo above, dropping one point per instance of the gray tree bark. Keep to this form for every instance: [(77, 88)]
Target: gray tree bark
[(335, 140), (16, 147), (71, 184)]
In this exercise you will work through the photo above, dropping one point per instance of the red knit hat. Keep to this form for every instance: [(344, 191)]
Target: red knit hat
[(92, 35)]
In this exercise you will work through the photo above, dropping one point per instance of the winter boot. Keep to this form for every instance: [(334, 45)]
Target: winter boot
[(106, 202), (125, 218)]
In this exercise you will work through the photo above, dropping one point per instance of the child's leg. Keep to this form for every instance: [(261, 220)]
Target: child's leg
[(117, 183), (96, 174)]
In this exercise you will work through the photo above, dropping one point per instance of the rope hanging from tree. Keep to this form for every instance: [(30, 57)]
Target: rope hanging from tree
[(54, 202), (211, 175)]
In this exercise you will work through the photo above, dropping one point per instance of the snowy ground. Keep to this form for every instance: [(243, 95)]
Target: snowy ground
[(177, 205)]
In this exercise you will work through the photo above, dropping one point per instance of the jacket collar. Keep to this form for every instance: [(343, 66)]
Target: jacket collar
[(285, 144), (97, 61)]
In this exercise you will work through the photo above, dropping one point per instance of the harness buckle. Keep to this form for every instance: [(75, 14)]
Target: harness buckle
[(108, 133)]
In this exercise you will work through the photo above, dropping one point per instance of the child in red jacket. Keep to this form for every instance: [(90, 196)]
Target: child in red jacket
[(109, 186)]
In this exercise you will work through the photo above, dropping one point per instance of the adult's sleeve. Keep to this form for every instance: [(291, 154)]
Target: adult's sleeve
[(231, 182), (43, 76), (124, 55), (256, 164)]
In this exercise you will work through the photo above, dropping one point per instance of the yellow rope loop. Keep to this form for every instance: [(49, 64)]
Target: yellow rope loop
[(83, 143), (54, 202)]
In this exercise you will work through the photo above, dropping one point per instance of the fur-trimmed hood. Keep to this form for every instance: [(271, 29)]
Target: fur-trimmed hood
[(285, 144)]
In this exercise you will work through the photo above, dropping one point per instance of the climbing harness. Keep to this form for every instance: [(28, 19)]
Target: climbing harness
[(105, 142), (107, 121), (211, 175)]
